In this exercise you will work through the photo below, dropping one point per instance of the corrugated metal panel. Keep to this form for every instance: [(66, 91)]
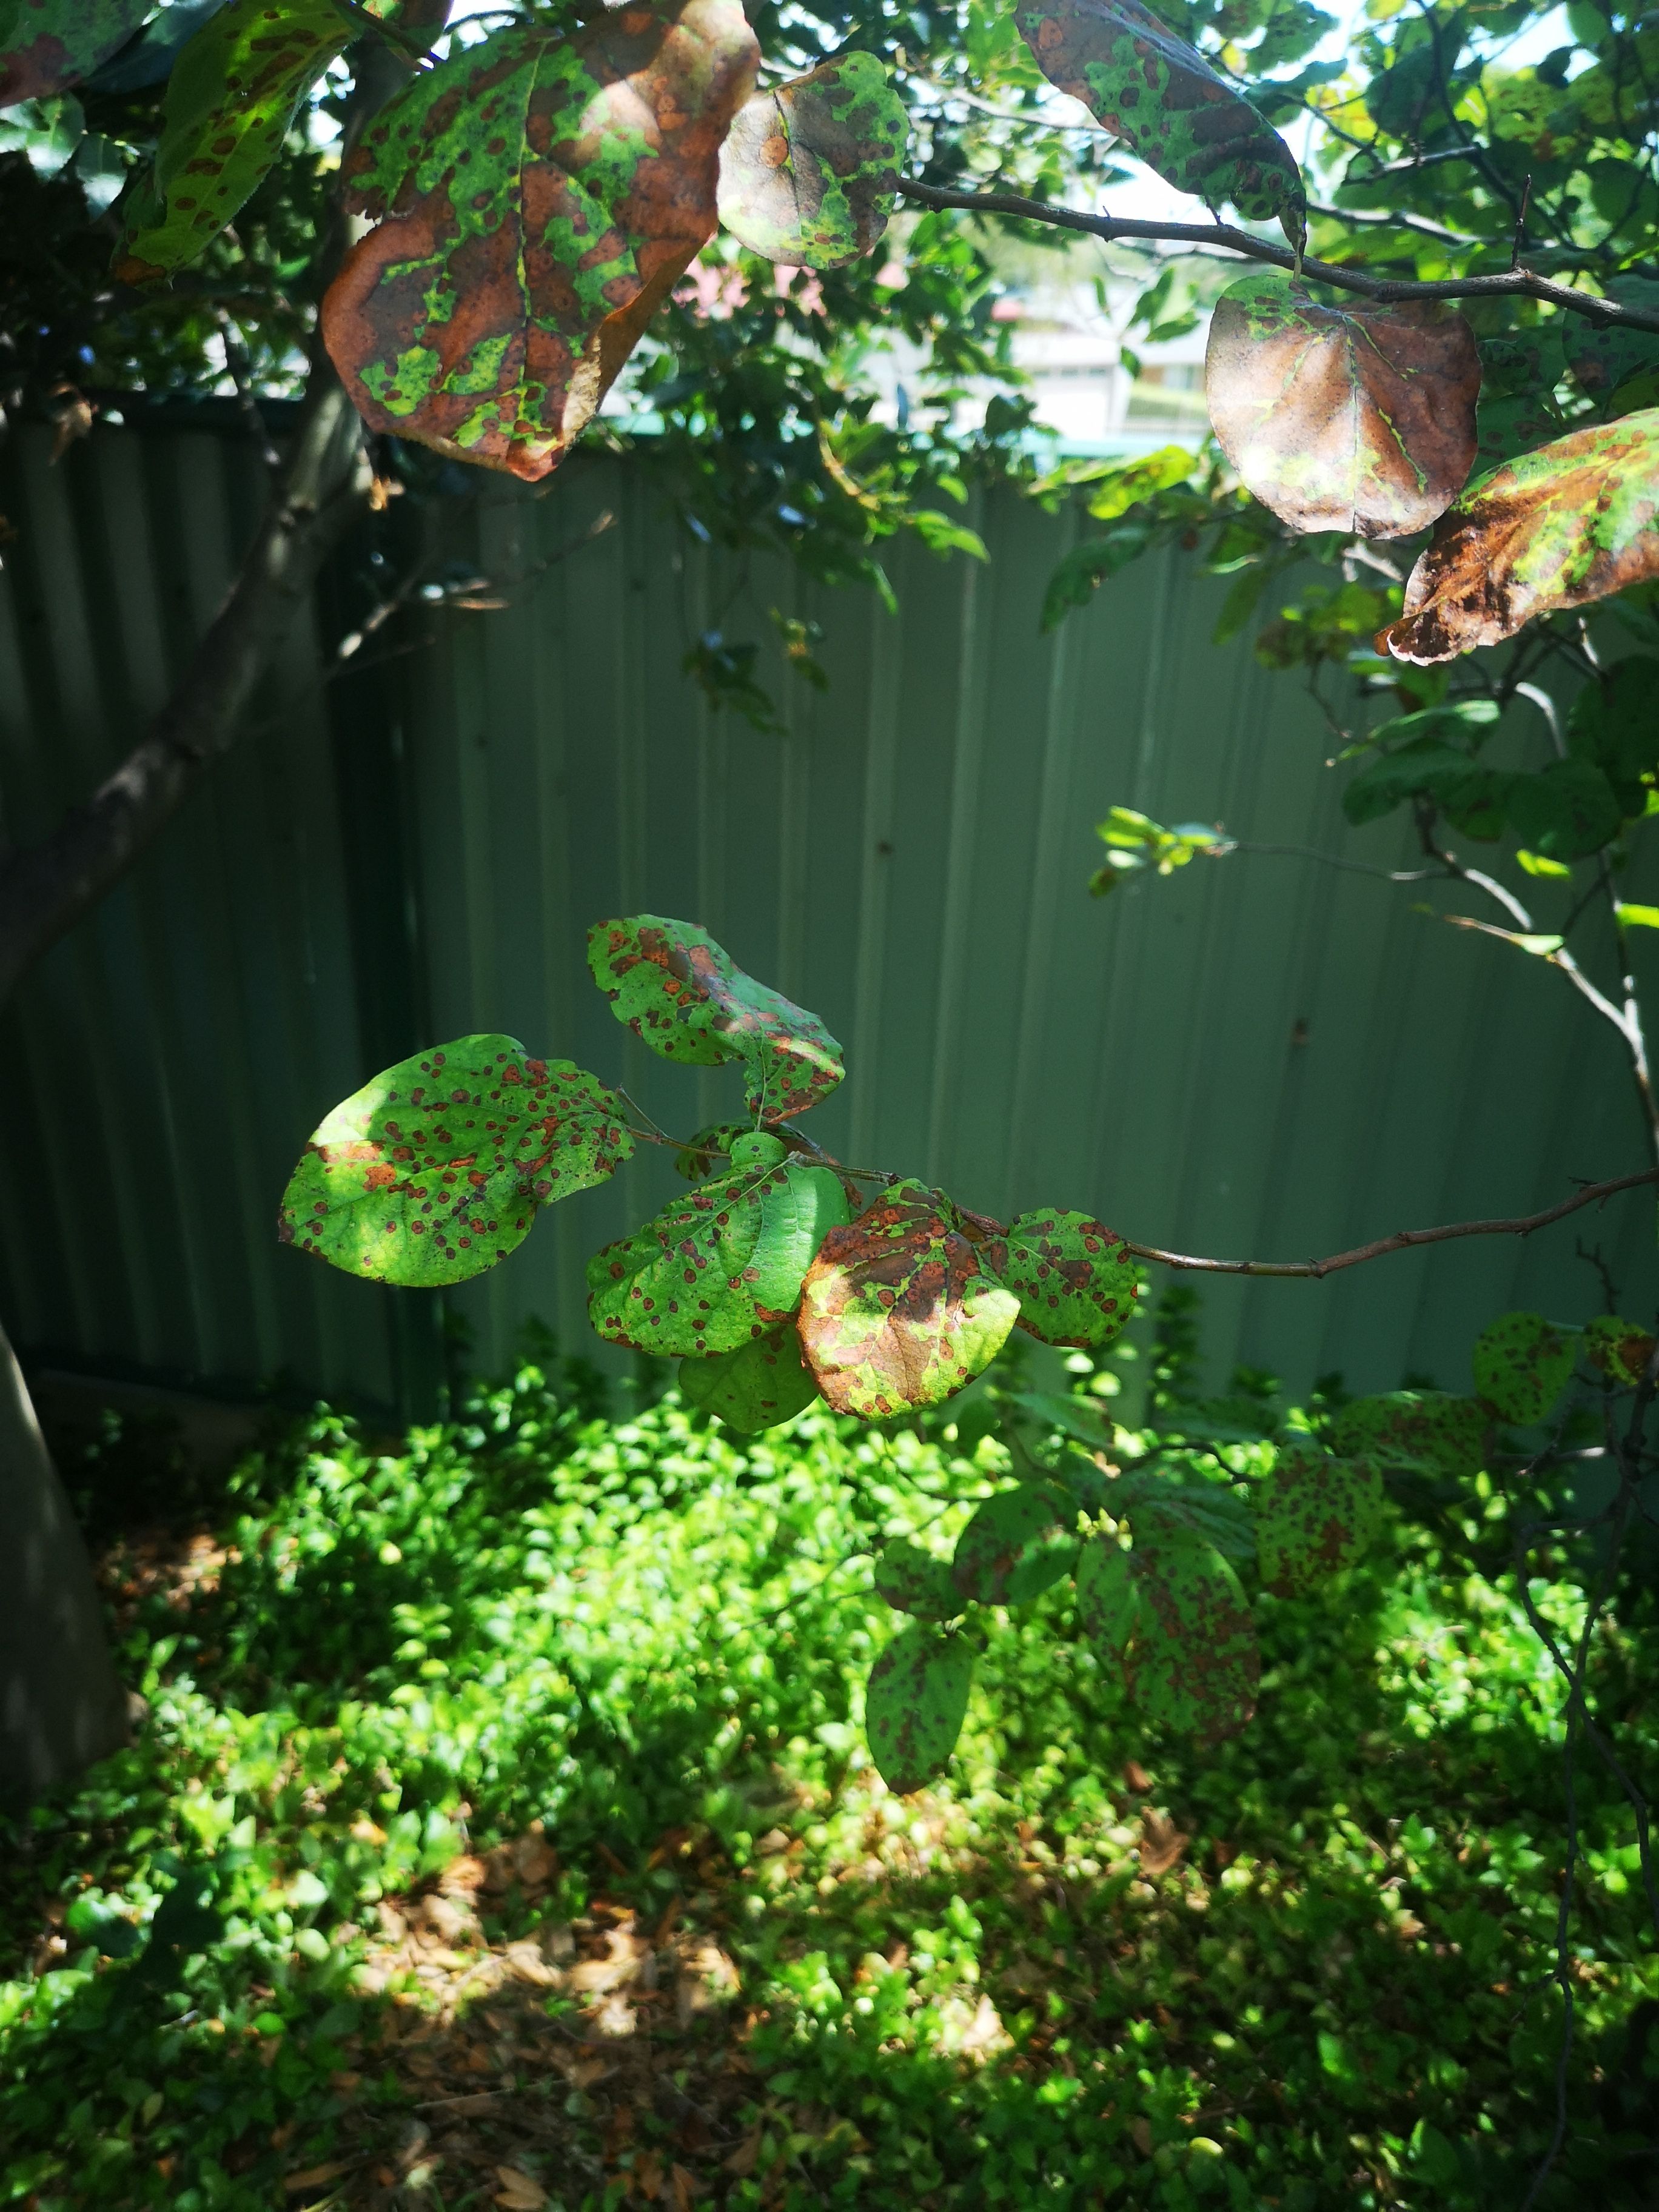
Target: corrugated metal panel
[(417, 852)]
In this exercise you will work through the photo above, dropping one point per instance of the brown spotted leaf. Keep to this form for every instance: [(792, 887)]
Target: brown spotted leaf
[(897, 1311), (915, 1704), (538, 198), (1521, 1365), (1352, 418), (46, 45), (764, 1381), (435, 1170), (721, 1265), (810, 170), (1621, 1349), (1163, 98), (1570, 523), (1019, 1544), (1076, 1282), (1415, 1428), (913, 1581), (689, 1000), (1315, 1515), (1193, 1662)]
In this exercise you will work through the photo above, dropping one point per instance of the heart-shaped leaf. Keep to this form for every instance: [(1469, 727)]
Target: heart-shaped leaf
[(1173, 1610), (915, 1704), (434, 1171), (896, 1309), (762, 1383), (538, 198), (1415, 1428), (1521, 1365), (913, 1581), (1076, 1283), (1166, 103), (44, 49), (810, 169), (1621, 1349), (1560, 527), (675, 988), (230, 98), (721, 1265), (1315, 1515), (1342, 417), (1019, 1544)]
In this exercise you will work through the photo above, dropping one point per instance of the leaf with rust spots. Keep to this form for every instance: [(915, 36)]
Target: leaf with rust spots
[(696, 1158), (689, 1000), (1315, 1515), (538, 198), (763, 1382), (1621, 1349), (46, 45), (1107, 1598), (1076, 1283), (1163, 98), (1017, 1545), (897, 1311), (1521, 1365), (435, 1170), (1353, 418), (1604, 357), (915, 1705), (1570, 524), (810, 170), (1172, 1610), (721, 1265), (230, 98), (913, 1581), (1415, 1428)]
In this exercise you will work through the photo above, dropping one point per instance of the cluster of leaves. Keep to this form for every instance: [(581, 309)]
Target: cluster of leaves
[(1092, 1966)]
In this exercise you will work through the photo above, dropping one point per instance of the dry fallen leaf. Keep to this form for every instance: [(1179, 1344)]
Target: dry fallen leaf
[(1142, 2132), (317, 2177), (1161, 1844), (519, 2192)]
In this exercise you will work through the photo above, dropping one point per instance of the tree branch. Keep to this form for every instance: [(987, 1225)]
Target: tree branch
[(1402, 1240), (1509, 283)]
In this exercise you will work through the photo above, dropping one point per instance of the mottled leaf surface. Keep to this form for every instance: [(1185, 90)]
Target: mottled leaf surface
[(1192, 1502), (810, 169), (1521, 1365), (1107, 1598), (913, 1581), (763, 1382), (230, 98), (1621, 1349), (1352, 418), (434, 1171), (1076, 1283), (704, 1151), (1019, 1544), (896, 1309), (1557, 528), (1163, 98), (689, 1000), (1425, 1428), (46, 45), (1173, 1610), (915, 1705), (537, 197), (1315, 1515), (723, 1264)]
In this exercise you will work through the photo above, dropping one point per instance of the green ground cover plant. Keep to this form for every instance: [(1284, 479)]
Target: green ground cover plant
[(503, 1831)]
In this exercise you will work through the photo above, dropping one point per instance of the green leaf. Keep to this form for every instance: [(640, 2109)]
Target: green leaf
[(1621, 1349), (1019, 1544), (1107, 1598), (1415, 1428), (1521, 1365), (537, 199), (721, 1265), (810, 169), (1536, 864), (102, 1923), (230, 98), (1558, 528), (435, 1170), (915, 1704), (1086, 1419), (1076, 1283), (1613, 725), (1566, 811), (762, 1383), (1518, 407), (1166, 103), (1603, 357), (897, 1309), (1315, 1515), (1192, 1661), (913, 1581), (1082, 570), (1342, 417), (1419, 765), (675, 988), (1202, 1507), (45, 48), (1635, 917), (1121, 485)]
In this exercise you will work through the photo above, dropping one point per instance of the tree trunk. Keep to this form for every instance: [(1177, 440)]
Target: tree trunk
[(62, 1704)]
